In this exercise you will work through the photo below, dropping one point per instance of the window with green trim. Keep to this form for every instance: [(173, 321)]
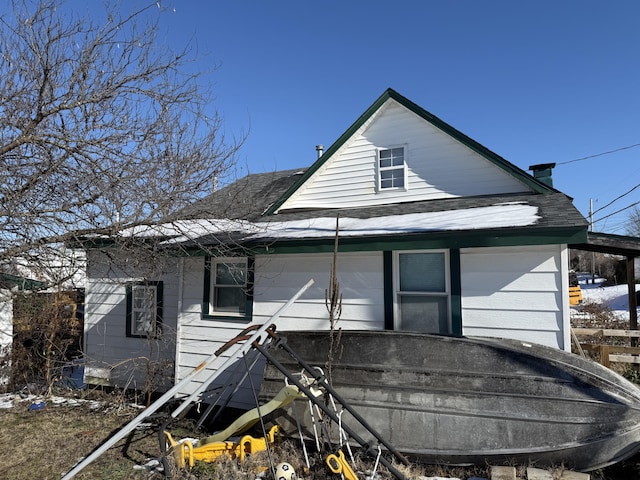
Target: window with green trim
[(227, 287), (422, 295), (144, 309)]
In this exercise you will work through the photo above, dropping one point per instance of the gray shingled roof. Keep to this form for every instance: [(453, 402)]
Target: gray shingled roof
[(246, 198), (250, 197)]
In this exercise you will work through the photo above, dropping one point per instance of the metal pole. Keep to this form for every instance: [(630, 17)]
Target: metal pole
[(321, 379), (124, 431), (369, 450), (245, 347)]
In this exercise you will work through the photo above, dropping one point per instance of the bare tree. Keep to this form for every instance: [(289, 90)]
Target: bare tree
[(633, 222), (101, 128)]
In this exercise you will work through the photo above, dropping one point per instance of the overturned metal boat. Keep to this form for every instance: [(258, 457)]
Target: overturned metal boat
[(459, 400)]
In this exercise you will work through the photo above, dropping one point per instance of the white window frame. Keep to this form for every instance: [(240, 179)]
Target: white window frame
[(150, 309), (215, 261), (397, 293), (403, 167)]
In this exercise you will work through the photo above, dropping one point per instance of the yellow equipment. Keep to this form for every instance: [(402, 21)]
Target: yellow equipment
[(248, 419), (186, 453), (575, 295), (575, 292), (338, 464), (217, 445)]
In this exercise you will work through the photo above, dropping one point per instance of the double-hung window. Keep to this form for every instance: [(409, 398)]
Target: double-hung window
[(422, 292), (228, 291), (144, 309), (392, 171)]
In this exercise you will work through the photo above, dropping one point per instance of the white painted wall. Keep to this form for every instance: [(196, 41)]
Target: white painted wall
[(516, 292), (513, 292), (110, 355), (277, 279), (439, 167)]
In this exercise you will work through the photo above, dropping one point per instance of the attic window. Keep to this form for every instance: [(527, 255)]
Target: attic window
[(391, 168)]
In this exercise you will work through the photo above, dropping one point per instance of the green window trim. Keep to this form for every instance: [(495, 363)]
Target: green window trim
[(246, 316), (130, 322), (454, 289)]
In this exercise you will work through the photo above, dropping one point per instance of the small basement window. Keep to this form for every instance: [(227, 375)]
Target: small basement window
[(392, 171)]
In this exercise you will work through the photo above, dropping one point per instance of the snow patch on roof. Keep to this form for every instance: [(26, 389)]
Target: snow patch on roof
[(496, 216), (512, 214)]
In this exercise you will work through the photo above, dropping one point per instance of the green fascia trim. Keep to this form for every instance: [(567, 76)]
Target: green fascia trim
[(466, 239), (22, 283), (213, 251), (536, 185), (507, 238)]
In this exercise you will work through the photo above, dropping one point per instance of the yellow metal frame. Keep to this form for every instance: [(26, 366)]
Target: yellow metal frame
[(186, 453), (338, 464)]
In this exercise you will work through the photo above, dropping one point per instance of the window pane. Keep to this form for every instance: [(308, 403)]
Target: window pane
[(230, 274), (385, 158), (143, 322), (229, 299), (393, 157), (144, 297), (422, 272), (397, 156), (424, 314), (392, 178)]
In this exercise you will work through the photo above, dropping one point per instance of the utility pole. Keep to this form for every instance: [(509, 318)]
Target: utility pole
[(593, 254)]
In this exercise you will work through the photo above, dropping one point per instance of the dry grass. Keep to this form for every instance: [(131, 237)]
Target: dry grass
[(46, 443)]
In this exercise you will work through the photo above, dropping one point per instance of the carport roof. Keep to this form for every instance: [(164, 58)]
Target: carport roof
[(610, 243)]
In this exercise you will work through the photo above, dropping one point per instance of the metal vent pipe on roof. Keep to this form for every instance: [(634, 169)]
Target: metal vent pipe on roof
[(320, 150)]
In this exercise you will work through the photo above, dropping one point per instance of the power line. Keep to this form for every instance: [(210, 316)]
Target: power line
[(617, 211), (599, 154), (616, 199)]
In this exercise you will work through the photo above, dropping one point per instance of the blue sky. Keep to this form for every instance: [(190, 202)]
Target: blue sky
[(536, 82)]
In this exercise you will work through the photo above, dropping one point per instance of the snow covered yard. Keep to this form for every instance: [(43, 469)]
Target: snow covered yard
[(615, 297)]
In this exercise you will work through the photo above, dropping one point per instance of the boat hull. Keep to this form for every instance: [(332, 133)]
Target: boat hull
[(459, 400)]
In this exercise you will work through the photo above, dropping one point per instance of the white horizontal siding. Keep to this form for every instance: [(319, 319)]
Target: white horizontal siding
[(120, 360), (438, 167), (361, 284), (277, 278), (515, 292), (199, 338)]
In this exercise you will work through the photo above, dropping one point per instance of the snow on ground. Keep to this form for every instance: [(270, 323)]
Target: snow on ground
[(8, 400), (616, 297)]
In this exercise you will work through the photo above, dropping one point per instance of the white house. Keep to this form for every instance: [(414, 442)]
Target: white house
[(436, 234)]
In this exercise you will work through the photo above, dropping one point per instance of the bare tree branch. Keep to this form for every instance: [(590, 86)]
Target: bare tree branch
[(101, 127)]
